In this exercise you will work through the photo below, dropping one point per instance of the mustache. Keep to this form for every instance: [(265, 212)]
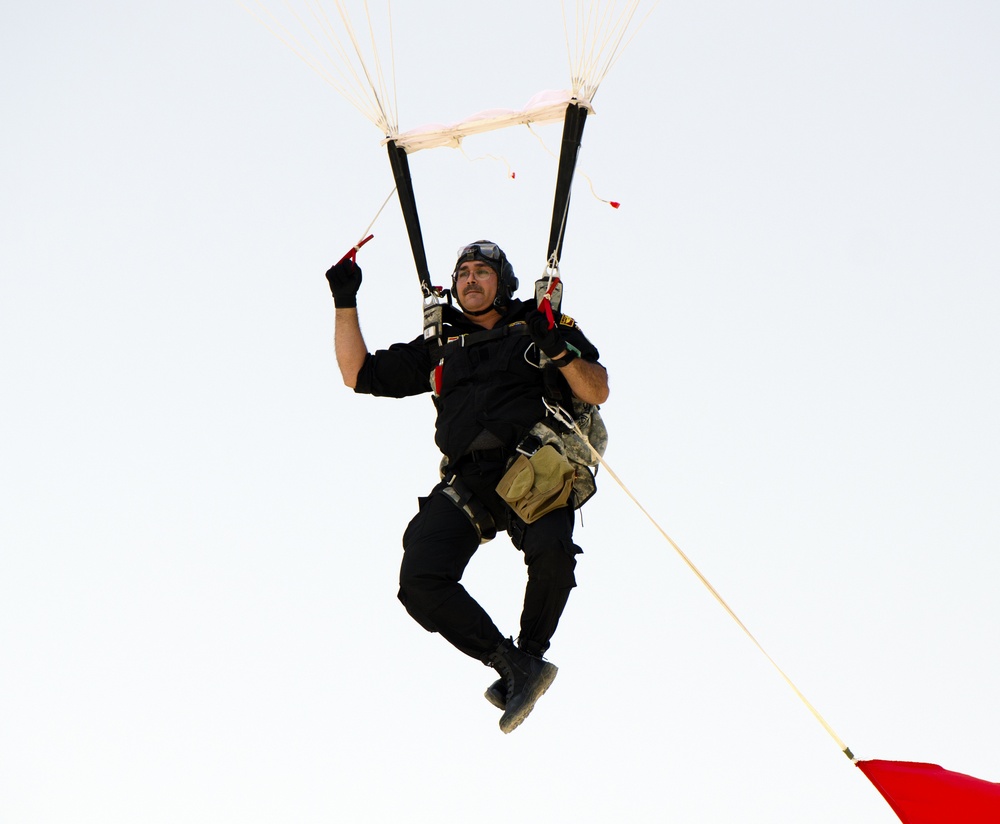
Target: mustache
[(470, 288)]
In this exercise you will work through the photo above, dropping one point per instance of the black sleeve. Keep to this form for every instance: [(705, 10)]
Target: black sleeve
[(402, 370), (574, 337)]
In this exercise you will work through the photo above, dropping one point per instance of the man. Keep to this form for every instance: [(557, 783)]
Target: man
[(488, 389)]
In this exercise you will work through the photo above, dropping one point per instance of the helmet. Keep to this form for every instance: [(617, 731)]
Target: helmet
[(494, 257)]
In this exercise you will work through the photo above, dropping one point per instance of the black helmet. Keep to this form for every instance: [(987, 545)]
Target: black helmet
[(493, 256)]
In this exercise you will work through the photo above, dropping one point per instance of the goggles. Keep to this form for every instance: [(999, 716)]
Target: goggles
[(490, 251)]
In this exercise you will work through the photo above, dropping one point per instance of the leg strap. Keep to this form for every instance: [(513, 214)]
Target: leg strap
[(479, 516)]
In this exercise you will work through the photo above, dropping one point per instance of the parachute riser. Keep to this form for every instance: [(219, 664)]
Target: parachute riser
[(575, 120), (408, 203), (434, 297)]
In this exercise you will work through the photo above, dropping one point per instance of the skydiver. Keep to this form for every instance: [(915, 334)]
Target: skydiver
[(488, 395)]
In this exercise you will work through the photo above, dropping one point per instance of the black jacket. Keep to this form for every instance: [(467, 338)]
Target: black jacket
[(488, 381)]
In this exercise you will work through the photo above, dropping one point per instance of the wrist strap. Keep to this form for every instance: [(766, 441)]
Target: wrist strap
[(569, 357)]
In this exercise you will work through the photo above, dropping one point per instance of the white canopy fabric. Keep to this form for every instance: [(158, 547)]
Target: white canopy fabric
[(546, 106)]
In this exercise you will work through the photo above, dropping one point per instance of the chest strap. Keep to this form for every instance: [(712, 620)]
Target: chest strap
[(441, 347)]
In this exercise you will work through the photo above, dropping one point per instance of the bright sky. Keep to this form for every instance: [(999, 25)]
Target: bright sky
[(798, 305)]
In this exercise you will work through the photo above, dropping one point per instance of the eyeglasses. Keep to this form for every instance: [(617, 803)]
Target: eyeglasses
[(490, 251)]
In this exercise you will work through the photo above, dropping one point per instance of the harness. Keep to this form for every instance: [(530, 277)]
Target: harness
[(440, 347), (562, 418)]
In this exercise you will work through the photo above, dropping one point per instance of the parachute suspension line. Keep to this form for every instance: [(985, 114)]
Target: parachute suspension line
[(387, 122), (281, 32), (569, 48), (378, 63), (330, 58), (376, 112), (619, 51), (590, 61), (599, 40), (392, 53), (568, 421), (576, 70)]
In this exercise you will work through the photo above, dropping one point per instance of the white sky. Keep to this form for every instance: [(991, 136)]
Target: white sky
[(200, 527)]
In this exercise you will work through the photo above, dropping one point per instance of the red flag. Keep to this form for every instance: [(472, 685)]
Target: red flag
[(928, 794)]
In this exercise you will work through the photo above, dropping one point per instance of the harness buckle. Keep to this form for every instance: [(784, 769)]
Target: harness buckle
[(529, 445), (560, 414)]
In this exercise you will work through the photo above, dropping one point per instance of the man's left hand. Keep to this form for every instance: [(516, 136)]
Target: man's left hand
[(548, 340)]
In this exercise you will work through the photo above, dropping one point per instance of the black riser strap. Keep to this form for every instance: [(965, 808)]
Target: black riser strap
[(408, 203), (576, 118)]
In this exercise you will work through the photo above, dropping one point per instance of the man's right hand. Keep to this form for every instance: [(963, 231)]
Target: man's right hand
[(345, 281)]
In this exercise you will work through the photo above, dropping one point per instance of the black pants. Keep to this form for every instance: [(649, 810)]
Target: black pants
[(438, 545)]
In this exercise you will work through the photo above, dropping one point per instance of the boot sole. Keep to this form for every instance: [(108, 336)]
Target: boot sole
[(511, 722)]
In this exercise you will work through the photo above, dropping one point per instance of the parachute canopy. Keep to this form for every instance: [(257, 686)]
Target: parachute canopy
[(323, 35)]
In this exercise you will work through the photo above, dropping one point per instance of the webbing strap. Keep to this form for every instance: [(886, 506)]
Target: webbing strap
[(456, 491), (440, 350), (573, 123), (408, 203), (554, 383)]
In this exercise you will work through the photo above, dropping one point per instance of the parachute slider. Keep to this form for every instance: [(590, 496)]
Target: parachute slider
[(544, 107)]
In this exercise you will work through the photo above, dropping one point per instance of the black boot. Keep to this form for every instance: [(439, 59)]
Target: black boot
[(496, 694), (525, 678)]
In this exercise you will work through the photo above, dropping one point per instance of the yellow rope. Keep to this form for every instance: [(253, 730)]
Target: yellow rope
[(715, 594)]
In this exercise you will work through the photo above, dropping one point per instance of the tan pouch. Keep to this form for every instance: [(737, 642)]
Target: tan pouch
[(534, 486)]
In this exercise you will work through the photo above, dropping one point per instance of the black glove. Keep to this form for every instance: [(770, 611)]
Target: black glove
[(548, 340), (345, 280)]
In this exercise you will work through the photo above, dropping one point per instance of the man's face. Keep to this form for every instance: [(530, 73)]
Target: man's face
[(477, 285)]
